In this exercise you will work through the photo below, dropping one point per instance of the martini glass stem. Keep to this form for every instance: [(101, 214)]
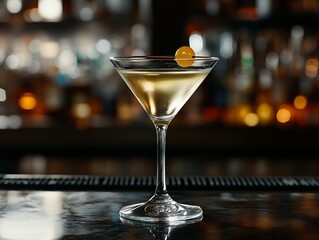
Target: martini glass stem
[(161, 131)]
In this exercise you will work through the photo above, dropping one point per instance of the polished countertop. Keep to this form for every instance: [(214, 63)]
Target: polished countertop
[(45, 215)]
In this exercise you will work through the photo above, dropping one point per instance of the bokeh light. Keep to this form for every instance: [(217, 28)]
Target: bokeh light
[(300, 102), (103, 46), (196, 42), (13, 62), (251, 119), (86, 14), (226, 45), (50, 49), (3, 95), (265, 113), (311, 68), (27, 101), (50, 10), (283, 115), (81, 110), (14, 6)]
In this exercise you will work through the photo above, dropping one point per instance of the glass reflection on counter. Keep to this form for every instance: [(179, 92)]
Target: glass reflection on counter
[(228, 215), (37, 218)]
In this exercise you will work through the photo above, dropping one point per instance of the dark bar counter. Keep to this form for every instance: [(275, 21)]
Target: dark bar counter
[(93, 214), (140, 140)]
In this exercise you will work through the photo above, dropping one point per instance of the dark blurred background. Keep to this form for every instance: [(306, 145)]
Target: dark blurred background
[(64, 109)]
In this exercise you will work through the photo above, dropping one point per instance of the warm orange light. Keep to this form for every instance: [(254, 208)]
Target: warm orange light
[(265, 112), (311, 67), (283, 115), (27, 101), (82, 110), (251, 119), (300, 102)]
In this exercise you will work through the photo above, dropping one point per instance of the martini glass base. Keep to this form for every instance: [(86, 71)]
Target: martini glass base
[(162, 211)]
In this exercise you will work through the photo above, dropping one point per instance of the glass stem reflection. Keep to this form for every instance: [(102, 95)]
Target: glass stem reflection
[(161, 171)]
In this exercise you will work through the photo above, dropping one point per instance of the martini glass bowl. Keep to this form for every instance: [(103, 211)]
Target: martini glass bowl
[(162, 85)]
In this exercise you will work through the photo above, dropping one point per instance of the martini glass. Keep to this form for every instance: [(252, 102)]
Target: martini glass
[(162, 85)]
